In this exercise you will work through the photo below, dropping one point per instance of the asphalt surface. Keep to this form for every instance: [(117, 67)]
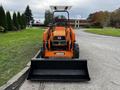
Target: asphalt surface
[(103, 56)]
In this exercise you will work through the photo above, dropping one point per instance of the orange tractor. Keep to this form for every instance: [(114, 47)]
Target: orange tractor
[(58, 59)]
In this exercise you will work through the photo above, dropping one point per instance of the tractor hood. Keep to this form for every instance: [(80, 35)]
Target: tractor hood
[(59, 31)]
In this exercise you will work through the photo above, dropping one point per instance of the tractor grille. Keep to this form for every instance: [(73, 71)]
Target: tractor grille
[(59, 42), (54, 48), (59, 45)]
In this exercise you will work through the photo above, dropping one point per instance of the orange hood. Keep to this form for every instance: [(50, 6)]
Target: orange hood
[(59, 31)]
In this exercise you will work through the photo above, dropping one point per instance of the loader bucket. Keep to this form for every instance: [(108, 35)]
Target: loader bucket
[(59, 70)]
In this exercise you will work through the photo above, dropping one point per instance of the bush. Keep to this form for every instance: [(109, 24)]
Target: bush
[(95, 25), (2, 29), (14, 28)]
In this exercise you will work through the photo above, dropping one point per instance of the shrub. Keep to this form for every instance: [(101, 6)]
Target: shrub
[(2, 29), (14, 28)]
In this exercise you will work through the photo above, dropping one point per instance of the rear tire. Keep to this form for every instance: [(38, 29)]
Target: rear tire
[(76, 51)]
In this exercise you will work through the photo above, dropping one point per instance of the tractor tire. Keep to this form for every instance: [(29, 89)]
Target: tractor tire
[(76, 51), (42, 52)]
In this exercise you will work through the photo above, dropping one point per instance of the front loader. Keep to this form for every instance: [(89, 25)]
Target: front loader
[(58, 58)]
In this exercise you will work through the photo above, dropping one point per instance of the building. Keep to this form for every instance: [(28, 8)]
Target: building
[(77, 23)]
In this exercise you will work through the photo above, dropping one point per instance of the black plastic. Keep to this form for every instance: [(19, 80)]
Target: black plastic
[(59, 70)]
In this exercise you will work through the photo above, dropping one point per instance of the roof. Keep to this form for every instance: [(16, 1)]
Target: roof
[(60, 8)]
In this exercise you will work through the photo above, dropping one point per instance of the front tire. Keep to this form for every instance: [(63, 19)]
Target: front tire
[(76, 51)]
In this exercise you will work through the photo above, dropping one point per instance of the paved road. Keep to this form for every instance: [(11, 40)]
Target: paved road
[(103, 55)]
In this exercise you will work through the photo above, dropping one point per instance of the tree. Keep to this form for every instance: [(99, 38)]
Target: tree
[(100, 19), (28, 15), (115, 18), (2, 18), (15, 21), (23, 19), (48, 17), (19, 20), (9, 21)]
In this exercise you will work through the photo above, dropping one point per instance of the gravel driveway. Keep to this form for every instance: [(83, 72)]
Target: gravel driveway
[(103, 55)]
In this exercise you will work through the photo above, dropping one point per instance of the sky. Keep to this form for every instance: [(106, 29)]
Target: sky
[(80, 8)]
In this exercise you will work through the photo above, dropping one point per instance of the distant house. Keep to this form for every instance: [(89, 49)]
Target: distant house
[(77, 23), (38, 23)]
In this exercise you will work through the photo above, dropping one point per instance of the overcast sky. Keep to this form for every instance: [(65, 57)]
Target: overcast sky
[(80, 8)]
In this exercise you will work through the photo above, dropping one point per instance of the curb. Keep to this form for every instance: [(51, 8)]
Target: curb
[(15, 82)]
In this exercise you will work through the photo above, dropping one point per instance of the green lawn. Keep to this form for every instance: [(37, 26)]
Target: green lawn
[(105, 31), (16, 50)]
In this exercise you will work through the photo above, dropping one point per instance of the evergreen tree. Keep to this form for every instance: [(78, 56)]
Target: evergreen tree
[(23, 18), (19, 20), (9, 21), (2, 18), (28, 14), (15, 21), (48, 17)]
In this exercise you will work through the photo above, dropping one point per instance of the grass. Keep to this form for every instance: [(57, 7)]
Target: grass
[(105, 31), (16, 50)]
